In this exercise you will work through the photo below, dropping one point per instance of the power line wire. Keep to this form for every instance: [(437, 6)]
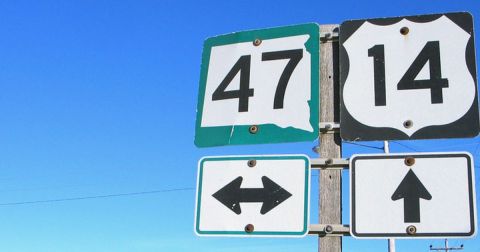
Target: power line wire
[(417, 150), (96, 196), (404, 145), (364, 145)]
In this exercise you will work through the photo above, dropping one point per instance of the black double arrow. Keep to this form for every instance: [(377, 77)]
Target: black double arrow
[(271, 195)]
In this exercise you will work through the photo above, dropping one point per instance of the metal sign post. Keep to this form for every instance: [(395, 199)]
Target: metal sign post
[(391, 242)]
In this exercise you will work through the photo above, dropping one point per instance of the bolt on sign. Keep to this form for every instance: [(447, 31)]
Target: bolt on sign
[(259, 86), (408, 78), (413, 195), (253, 196)]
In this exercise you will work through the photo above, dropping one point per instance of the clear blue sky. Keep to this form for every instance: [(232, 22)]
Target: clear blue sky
[(99, 98)]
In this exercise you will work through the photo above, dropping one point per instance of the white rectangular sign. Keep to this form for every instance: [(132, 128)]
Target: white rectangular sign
[(253, 196), (428, 195)]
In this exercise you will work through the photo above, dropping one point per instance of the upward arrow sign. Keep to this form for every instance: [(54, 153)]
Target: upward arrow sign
[(271, 195), (411, 190)]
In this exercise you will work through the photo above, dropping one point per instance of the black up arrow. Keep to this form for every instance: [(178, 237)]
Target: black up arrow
[(411, 190), (271, 195)]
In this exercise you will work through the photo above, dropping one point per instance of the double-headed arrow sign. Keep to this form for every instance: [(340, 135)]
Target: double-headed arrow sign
[(225, 197), (411, 190), (271, 195)]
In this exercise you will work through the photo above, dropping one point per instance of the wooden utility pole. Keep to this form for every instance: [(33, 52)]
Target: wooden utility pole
[(330, 181)]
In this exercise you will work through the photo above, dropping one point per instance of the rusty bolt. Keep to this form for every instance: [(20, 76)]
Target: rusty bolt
[(404, 30), (411, 230), (252, 163), (249, 228), (253, 129), (409, 161)]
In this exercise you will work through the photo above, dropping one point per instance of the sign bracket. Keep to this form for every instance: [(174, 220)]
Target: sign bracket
[(329, 127), (323, 230), (329, 36), (329, 163)]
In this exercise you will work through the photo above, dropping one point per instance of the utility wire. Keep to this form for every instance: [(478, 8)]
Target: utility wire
[(415, 149), (96, 196), (404, 145), (364, 145)]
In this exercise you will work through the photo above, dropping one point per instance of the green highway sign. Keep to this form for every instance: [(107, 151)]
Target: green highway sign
[(259, 86)]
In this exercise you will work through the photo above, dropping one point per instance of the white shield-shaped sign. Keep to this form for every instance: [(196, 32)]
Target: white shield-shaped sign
[(408, 78)]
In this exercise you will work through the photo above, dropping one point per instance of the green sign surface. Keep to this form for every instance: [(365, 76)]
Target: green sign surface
[(259, 86)]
